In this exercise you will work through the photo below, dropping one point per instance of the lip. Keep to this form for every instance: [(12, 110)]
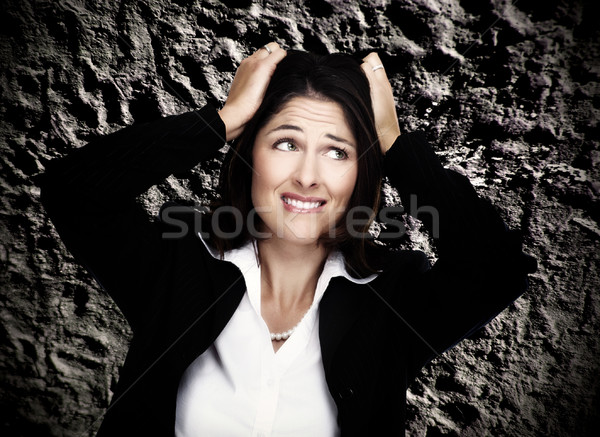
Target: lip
[(299, 198)]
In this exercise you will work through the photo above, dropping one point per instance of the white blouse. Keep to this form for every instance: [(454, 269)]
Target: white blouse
[(241, 387)]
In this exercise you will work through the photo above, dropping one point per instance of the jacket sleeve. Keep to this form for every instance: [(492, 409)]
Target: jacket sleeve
[(90, 195), (480, 268)]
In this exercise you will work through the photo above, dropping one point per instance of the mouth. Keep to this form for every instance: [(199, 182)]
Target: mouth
[(295, 203)]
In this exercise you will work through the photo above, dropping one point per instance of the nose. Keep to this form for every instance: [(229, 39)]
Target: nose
[(307, 172)]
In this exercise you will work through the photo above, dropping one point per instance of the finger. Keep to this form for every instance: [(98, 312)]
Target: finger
[(273, 46), (370, 71), (273, 58), (367, 69), (277, 55), (267, 50), (372, 59), (262, 52)]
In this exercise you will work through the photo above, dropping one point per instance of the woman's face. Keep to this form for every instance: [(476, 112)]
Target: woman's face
[(305, 168)]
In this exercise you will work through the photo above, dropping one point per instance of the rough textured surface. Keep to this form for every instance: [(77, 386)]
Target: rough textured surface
[(508, 93)]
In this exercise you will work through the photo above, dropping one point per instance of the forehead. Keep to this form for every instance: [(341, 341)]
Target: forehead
[(309, 113)]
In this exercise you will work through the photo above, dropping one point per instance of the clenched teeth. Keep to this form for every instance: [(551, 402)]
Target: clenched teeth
[(301, 205)]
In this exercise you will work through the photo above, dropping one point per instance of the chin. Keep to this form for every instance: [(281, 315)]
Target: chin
[(300, 239), (299, 236), (296, 228)]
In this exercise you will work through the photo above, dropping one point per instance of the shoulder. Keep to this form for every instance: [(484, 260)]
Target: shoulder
[(387, 260), (183, 224), (173, 215)]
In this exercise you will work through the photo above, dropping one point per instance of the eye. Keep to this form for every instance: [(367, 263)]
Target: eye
[(286, 146), (336, 153)]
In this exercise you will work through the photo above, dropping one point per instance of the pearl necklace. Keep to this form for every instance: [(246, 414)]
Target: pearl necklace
[(282, 336)]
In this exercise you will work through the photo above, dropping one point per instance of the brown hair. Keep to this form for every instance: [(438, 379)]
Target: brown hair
[(337, 78)]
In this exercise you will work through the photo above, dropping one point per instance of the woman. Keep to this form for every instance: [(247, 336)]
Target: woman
[(273, 314)]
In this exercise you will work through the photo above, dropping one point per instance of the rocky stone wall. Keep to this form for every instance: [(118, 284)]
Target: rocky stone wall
[(508, 93)]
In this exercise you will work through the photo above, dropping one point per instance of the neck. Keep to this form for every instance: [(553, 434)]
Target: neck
[(289, 273)]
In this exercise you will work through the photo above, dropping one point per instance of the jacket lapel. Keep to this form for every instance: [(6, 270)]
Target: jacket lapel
[(339, 309), (203, 319)]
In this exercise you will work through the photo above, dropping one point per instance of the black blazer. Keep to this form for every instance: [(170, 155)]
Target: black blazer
[(374, 337)]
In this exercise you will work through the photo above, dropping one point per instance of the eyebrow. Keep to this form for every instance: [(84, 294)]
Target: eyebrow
[(299, 129)]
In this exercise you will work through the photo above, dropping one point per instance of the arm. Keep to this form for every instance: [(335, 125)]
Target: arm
[(90, 194), (481, 268)]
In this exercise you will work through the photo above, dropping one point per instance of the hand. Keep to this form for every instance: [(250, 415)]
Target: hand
[(384, 107), (248, 88)]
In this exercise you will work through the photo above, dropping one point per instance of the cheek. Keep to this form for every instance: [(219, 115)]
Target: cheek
[(259, 173), (270, 169), (266, 178), (253, 190), (345, 185), (260, 189)]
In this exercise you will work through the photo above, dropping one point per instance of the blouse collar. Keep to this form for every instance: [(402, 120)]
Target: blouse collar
[(246, 258)]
